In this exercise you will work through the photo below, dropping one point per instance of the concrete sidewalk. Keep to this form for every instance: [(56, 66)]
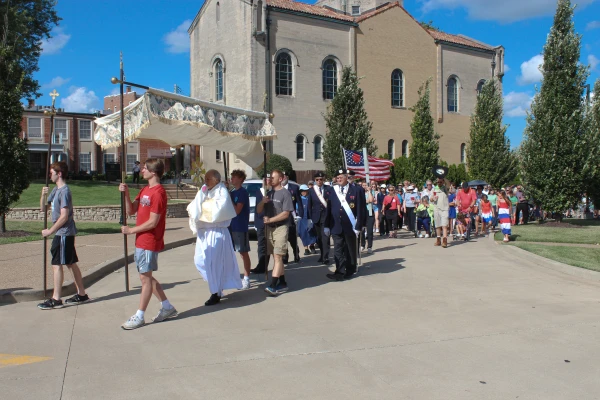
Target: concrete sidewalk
[(468, 322)]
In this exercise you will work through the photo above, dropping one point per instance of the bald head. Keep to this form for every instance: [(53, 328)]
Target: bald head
[(212, 178)]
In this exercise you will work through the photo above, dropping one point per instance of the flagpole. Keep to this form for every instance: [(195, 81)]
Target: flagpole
[(366, 162), (344, 156), (123, 176)]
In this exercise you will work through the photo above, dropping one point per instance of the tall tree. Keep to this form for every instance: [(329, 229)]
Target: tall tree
[(347, 123), (551, 153), (423, 155), (24, 24), (488, 153), (592, 167)]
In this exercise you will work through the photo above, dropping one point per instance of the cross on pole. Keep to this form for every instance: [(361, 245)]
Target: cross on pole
[(54, 94)]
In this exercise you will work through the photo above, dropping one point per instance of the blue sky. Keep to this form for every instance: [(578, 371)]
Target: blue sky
[(84, 52)]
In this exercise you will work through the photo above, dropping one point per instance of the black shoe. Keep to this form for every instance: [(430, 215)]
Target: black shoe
[(306, 252), (320, 260), (336, 277), (51, 304), (348, 276), (214, 299), (297, 259), (325, 262), (77, 299), (258, 270), (285, 260), (312, 250)]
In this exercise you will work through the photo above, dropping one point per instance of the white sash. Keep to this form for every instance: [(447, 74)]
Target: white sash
[(347, 209), (319, 194)]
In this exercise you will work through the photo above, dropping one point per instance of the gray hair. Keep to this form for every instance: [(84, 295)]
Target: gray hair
[(215, 174), (425, 198)]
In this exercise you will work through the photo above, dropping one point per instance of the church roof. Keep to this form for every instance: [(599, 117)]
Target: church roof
[(458, 39), (309, 9), (376, 11)]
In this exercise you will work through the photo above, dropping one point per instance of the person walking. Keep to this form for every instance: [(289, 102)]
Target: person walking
[(295, 216), (305, 225), (411, 200), (239, 224), (379, 200), (504, 212), (136, 173), (317, 211), (391, 207), (368, 232)]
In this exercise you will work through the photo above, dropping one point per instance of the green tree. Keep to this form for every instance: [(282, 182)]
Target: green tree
[(276, 161), (429, 26), (425, 144), (551, 153), (24, 25), (592, 166), (457, 174), (488, 152), (347, 123)]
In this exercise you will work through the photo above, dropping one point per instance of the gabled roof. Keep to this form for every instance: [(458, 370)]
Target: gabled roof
[(460, 40), (376, 11), (309, 9)]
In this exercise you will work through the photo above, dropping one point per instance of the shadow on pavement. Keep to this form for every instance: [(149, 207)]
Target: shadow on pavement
[(136, 291)]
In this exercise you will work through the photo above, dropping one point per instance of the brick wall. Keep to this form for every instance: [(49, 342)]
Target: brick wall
[(146, 144)]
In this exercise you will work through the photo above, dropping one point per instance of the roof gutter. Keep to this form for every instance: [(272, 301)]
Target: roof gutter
[(462, 46), (311, 16)]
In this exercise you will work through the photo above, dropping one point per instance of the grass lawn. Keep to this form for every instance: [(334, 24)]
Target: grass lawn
[(35, 228), (589, 233), (577, 256)]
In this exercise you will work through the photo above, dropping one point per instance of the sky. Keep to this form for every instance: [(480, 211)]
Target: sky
[(83, 53)]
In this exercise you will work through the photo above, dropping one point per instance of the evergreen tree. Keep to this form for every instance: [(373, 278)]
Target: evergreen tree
[(401, 170), (488, 152), (425, 144), (457, 174), (551, 154), (347, 123), (592, 166)]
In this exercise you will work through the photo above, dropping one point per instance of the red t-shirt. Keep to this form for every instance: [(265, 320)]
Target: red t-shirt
[(392, 200), (465, 199), (152, 199), (486, 208)]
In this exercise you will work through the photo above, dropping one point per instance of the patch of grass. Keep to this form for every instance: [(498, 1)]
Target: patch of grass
[(35, 228), (582, 257), (587, 234)]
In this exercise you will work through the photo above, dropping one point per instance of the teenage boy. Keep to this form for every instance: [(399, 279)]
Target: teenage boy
[(151, 208), (239, 225), (63, 245)]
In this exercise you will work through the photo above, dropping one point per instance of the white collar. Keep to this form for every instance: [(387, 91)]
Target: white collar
[(344, 187)]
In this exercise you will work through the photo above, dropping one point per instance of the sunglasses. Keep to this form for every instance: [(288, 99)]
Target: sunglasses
[(319, 179)]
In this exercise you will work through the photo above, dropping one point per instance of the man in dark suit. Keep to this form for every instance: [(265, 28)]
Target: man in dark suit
[(317, 212), (352, 182), (344, 221), (294, 216)]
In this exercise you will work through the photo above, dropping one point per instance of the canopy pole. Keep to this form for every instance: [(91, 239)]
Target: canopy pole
[(225, 156), (123, 176), (265, 187)]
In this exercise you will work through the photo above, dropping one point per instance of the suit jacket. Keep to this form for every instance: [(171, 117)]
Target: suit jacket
[(295, 192), (315, 209), (337, 220)]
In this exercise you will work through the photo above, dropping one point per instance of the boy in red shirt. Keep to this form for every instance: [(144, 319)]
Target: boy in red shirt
[(151, 208), (465, 200)]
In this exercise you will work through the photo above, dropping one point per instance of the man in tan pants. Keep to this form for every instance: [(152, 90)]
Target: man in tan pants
[(439, 199)]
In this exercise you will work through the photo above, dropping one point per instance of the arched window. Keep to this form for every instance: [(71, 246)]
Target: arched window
[(391, 149), (318, 147), (405, 148), (218, 79), (397, 88), (463, 153), (330, 79), (283, 75), (453, 94), (300, 147), (480, 86)]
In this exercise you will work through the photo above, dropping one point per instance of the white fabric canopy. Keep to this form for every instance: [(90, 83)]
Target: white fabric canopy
[(179, 120)]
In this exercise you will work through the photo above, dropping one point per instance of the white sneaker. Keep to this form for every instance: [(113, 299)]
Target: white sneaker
[(420, 236), (165, 314), (362, 249), (370, 251), (133, 323), (376, 230), (245, 284), (427, 235)]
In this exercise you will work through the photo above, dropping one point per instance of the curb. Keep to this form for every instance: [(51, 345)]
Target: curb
[(91, 276)]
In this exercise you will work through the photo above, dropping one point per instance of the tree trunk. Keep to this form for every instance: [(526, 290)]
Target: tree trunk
[(3, 223)]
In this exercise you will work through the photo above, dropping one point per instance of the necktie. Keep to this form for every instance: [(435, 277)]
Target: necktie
[(342, 190), (321, 193)]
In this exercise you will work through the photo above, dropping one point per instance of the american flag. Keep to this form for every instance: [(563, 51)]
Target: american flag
[(379, 169)]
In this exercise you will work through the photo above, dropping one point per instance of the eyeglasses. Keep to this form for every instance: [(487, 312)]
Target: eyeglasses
[(319, 179)]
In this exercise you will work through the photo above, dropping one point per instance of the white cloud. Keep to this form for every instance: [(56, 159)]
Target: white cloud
[(178, 41), (503, 11), (55, 82), (58, 40), (530, 71), (593, 61), (592, 25), (80, 100), (516, 104)]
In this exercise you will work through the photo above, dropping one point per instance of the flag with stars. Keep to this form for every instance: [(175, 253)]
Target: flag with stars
[(379, 169)]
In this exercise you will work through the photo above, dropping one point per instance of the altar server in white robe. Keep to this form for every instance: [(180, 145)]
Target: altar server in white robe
[(210, 214)]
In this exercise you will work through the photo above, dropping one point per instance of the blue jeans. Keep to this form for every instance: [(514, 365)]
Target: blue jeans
[(423, 223)]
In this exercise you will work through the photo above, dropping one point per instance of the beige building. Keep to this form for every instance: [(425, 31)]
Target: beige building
[(286, 57)]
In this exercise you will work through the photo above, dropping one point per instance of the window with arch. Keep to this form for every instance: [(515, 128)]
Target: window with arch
[(480, 86), (318, 142), (405, 148), (397, 88), (330, 79), (391, 149), (453, 94), (463, 153), (300, 146), (218, 79), (283, 75)]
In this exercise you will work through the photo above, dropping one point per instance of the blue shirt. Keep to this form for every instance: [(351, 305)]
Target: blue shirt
[(240, 222)]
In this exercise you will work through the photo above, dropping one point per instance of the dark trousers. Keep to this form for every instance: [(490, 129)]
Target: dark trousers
[(410, 218), (369, 238), (391, 216), (522, 208), (344, 250), (136, 177), (424, 223), (293, 241), (322, 241), (382, 224), (261, 247)]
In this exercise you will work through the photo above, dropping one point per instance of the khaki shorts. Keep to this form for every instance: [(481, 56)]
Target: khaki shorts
[(277, 239), (440, 218)]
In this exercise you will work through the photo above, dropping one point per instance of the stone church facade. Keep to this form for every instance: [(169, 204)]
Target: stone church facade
[(286, 57)]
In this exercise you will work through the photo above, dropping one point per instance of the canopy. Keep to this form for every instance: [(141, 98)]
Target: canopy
[(179, 120), (477, 182)]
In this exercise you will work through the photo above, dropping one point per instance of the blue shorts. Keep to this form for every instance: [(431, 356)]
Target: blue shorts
[(375, 208), (146, 260)]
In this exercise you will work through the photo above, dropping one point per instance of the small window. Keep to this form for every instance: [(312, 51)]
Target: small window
[(218, 11), (463, 153), (218, 156), (480, 86), (405, 148), (85, 130), (218, 80), (397, 88), (355, 10), (391, 149), (318, 147), (453, 94), (330, 79), (34, 128), (131, 159), (300, 144), (85, 162), (60, 131), (283, 75)]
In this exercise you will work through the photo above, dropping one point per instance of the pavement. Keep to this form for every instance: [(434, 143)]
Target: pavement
[(474, 321)]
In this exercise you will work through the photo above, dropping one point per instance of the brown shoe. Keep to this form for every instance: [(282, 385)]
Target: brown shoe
[(438, 242), (445, 242)]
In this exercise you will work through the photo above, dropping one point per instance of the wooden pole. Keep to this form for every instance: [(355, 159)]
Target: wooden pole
[(123, 176)]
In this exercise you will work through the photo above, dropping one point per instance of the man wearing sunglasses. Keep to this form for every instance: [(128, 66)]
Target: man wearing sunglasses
[(317, 212)]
